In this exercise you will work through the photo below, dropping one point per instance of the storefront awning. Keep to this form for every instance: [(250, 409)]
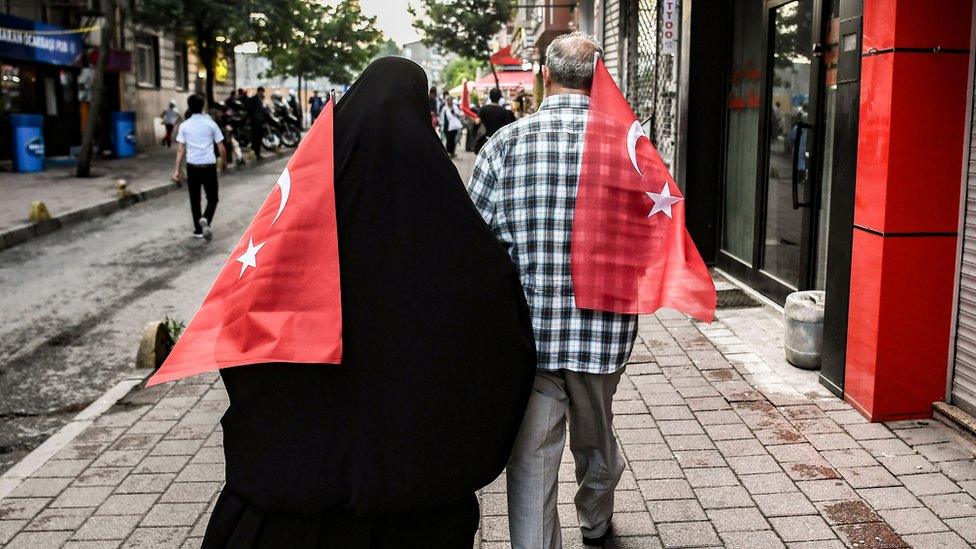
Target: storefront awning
[(504, 57), (507, 80)]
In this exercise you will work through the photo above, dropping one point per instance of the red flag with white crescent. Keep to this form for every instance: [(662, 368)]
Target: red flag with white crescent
[(277, 298), (631, 252)]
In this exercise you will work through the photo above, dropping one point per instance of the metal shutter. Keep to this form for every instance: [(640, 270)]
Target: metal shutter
[(611, 37), (964, 372)]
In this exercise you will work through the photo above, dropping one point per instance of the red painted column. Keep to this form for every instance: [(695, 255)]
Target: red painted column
[(914, 74)]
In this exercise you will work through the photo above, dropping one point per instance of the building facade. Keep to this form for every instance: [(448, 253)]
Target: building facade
[(821, 144), (430, 58), (165, 68), (48, 49), (638, 52), (805, 129), (40, 65)]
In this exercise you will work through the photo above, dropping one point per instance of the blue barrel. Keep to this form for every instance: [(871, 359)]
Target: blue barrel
[(123, 134), (28, 142)]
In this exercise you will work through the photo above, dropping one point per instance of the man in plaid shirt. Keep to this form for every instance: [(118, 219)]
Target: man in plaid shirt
[(524, 184)]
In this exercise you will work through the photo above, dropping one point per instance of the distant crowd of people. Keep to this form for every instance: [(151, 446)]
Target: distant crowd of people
[(449, 119)]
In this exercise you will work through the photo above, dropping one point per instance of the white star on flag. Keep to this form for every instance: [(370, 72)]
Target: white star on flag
[(249, 258), (663, 200)]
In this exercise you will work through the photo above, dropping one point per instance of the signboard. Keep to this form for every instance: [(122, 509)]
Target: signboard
[(36, 41), (117, 60), (670, 26)]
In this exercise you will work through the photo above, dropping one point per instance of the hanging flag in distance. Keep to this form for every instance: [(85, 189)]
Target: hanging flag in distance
[(631, 252), (466, 103), (277, 298)]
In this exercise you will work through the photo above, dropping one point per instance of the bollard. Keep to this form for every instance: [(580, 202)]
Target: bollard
[(803, 341), (122, 189), (39, 212), (154, 346)]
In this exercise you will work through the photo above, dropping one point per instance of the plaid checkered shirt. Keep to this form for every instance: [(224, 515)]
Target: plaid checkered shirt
[(524, 184)]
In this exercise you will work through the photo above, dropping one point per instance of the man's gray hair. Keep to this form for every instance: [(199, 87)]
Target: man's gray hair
[(570, 59)]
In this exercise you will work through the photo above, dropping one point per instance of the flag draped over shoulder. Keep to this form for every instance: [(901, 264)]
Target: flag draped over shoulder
[(277, 298), (631, 252)]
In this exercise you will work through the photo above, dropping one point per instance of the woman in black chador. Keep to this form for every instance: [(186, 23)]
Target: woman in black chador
[(387, 449)]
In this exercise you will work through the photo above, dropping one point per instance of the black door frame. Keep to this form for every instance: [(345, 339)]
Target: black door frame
[(754, 275)]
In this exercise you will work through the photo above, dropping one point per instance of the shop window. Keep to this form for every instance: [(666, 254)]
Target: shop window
[(147, 61), (179, 66)]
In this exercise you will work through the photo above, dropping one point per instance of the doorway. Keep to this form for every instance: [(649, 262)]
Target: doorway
[(779, 127)]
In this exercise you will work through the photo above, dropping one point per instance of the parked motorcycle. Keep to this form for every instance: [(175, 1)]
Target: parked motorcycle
[(289, 128)]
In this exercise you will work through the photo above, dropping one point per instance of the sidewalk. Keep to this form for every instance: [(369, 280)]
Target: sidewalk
[(726, 446), (70, 199), (61, 191)]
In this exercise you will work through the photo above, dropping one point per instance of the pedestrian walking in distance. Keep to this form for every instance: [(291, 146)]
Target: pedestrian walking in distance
[(254, 106), (315, 104), (195, 142), (494, 117), (524, 184), (451, 120), (171, 117)]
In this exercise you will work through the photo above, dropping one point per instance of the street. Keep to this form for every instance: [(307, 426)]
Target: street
[(73, 304)]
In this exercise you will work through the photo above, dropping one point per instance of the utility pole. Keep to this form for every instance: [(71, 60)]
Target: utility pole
[(109, 7)]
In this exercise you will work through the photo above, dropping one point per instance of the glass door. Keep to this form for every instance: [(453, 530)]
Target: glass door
[(773, 160), (788, 140)]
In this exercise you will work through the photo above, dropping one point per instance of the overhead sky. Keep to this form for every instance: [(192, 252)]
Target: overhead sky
[(392, 18)]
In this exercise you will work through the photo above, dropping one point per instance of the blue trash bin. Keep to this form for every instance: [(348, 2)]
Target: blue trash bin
[(123, 134), (28, 142)]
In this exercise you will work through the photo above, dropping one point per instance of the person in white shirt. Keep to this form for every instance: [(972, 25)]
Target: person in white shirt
[(451, 120), (196, 138), (170, 119)]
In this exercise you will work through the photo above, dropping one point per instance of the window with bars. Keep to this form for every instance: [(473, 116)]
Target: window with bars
[(651, 77)]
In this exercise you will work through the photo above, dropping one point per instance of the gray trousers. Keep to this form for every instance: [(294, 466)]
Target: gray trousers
[(533, 470)]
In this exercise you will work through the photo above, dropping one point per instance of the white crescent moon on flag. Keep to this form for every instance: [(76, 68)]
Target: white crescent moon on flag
[(284, 183), (635, 133)]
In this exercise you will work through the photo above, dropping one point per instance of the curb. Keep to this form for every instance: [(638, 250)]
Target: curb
[(956, 419), (18, 234), (33, 461)]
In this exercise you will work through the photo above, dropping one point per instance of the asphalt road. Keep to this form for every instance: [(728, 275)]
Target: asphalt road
[(73, 304)]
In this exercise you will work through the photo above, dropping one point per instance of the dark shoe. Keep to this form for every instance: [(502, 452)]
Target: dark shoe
[(205, 229), (599, 540)]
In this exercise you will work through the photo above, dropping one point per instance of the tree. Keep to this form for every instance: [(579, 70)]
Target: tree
[(461, 69), (464, 27), (210, 24), (319, 41), (385, 48), (97, 90)]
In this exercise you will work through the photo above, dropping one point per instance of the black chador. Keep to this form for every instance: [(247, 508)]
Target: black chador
[(387, 448)]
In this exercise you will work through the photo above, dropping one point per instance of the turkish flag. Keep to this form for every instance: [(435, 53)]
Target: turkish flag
[(277, 298), (466, 103), (631, 252)]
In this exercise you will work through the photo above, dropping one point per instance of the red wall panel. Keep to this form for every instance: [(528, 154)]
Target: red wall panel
[(916, 24), (898, 340), (912, 108)]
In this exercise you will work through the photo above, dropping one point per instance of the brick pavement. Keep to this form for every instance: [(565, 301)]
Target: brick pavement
[(726, 446)]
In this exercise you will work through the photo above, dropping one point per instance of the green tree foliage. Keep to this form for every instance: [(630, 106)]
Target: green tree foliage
[(315, 40), (461, 69), (385, 48), (203, 21), (464, 27)]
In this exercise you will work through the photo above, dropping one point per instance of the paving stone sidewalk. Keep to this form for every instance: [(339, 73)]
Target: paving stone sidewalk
[(726, 446), (62, 192)]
